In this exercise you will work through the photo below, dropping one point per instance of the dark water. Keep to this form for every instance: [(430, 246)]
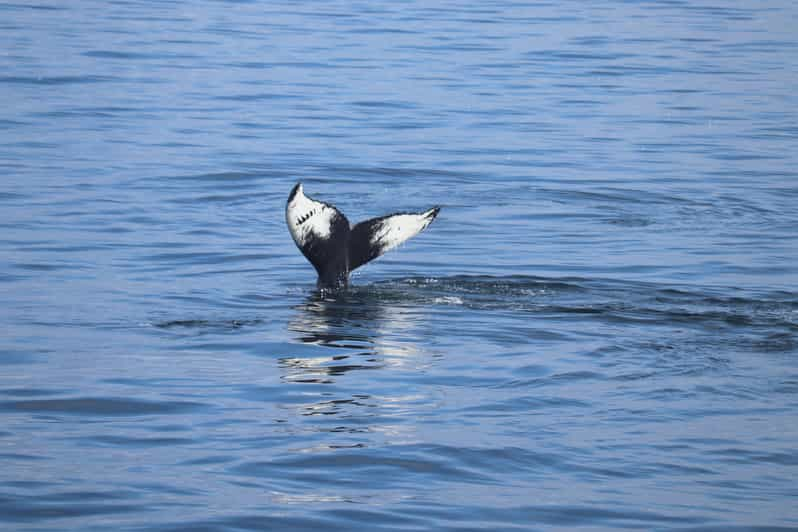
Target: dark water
[(599, 331)]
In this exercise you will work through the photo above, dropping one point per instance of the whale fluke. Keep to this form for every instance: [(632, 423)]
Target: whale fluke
[(323, 234)]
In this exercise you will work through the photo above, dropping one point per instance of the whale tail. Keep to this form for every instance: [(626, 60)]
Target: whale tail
[(323, 235)]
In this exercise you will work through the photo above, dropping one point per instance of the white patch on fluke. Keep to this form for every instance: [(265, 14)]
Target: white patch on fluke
[(396, 229), (308, 218)]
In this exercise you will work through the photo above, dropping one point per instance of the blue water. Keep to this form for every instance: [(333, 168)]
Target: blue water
[(599, 331)]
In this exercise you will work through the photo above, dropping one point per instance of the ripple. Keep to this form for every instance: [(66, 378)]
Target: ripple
[(56, 80), (19, 508), (99, 406)]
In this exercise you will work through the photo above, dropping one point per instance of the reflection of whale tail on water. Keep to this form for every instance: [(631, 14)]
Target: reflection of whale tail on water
[(324, 236), (361, 318), (344, 320), (362, 328)]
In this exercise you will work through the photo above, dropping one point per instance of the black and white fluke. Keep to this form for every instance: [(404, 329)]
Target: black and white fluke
[(334, 248)]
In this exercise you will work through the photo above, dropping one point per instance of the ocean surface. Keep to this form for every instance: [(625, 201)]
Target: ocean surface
[(599, 331)]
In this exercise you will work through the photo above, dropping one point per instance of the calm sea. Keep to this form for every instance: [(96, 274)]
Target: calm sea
[(599, 331)]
